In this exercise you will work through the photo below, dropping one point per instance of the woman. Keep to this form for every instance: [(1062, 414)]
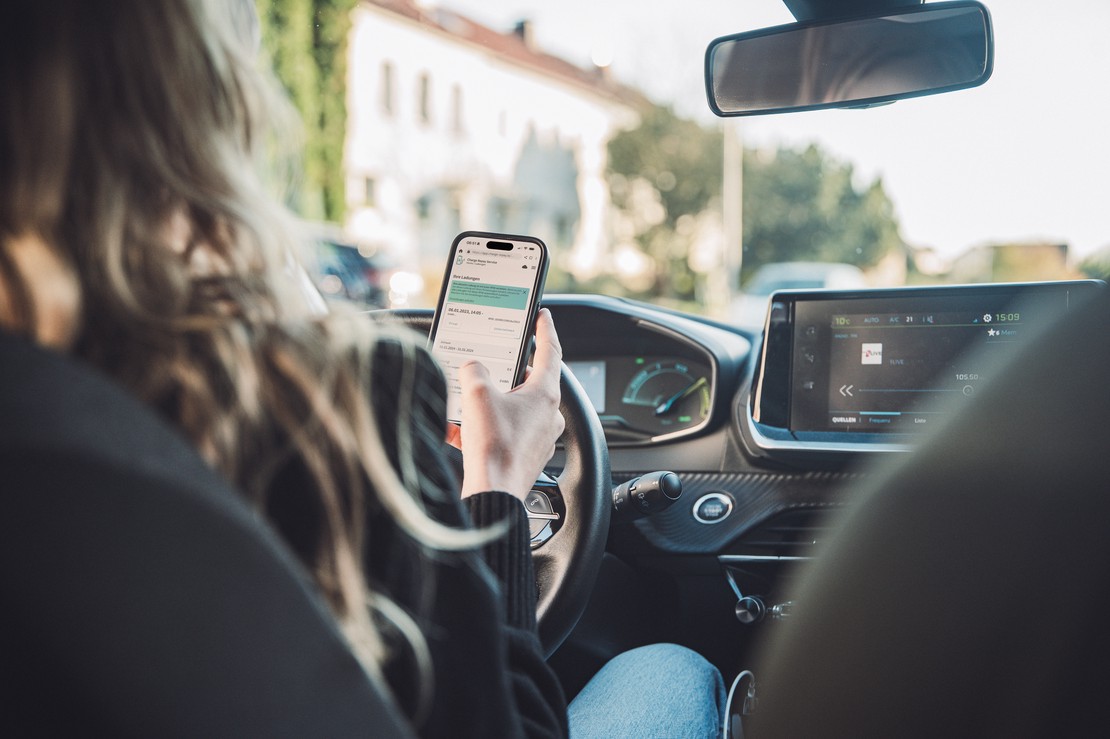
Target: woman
[(138, 236)]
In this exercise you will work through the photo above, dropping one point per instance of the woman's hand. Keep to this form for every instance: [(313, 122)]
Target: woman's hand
[(509, 437)]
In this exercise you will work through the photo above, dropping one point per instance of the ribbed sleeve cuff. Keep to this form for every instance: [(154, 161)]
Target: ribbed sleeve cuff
[(509, 556)]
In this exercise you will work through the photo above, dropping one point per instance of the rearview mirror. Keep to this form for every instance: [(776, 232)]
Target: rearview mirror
[(860, 61)]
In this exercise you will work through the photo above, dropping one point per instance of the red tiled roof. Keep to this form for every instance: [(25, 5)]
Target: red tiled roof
[(406, 8), (512, 47)]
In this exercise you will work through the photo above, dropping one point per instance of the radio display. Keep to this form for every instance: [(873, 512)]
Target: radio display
[(880, 363), (882, 371)]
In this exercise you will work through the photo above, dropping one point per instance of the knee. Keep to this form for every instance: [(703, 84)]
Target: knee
[(657, 690), (669, 663)]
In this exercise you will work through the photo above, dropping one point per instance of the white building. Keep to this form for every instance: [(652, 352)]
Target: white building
[(454, 126)]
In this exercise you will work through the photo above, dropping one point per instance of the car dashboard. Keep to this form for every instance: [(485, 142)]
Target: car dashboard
[(653, 377), (768, 437)]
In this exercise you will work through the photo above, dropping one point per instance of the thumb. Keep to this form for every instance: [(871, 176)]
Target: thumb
[(473, 374)]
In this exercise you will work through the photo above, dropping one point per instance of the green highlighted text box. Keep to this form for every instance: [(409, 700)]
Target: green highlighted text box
[(494, 296)]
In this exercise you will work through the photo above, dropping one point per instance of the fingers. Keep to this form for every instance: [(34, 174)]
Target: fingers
[(505, 435), (549, 352), (477, 391)]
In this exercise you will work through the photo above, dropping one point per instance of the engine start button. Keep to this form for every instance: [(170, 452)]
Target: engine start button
[(712, 508)]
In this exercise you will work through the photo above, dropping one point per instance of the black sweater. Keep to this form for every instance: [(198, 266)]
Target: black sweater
[(490, 677)]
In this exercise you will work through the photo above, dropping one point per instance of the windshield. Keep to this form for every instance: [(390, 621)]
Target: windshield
[(585, 124)]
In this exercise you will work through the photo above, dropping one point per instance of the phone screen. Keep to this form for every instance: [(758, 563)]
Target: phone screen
[(487, 309)]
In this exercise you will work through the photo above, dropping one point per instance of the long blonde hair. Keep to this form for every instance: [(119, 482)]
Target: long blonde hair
[(132, 138)]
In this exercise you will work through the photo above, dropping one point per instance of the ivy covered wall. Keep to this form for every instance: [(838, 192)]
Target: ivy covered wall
[(307, 42)]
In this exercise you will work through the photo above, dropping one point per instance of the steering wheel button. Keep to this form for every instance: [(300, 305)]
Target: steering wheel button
[(712, 508), (537, 502)]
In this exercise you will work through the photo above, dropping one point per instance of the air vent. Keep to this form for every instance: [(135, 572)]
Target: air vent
[(793, 534)]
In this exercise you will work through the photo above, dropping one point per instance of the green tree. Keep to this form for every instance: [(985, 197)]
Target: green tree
[(307, 42), (665, 178), (663, 174), (1097, 265), (805, 205)]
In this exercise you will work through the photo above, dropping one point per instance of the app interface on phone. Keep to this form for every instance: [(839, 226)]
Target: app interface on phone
[(485, 312)]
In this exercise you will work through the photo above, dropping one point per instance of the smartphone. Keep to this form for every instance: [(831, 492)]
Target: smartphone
[(487, 309)]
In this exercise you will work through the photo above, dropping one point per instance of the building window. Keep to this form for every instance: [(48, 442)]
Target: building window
[(456, 110), (386, 101), (424, 98)]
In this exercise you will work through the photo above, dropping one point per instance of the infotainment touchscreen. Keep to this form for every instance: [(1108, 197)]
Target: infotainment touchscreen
[(887, 362)]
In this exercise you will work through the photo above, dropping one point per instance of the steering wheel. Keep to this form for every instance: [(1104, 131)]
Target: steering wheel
[(568, 562)]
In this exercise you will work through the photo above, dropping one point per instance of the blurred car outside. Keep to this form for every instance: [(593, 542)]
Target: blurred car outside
[(749, 309), (344, 270)]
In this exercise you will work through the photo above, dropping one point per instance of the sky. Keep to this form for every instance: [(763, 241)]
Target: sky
[(1025, 157)]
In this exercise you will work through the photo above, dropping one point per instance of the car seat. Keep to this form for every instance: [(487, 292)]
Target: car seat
[(140, 594)]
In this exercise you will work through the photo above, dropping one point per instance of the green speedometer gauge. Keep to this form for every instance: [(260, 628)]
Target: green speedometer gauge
[(665, 396)]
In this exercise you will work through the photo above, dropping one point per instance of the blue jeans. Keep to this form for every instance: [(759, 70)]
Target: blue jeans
[(661, 691)]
